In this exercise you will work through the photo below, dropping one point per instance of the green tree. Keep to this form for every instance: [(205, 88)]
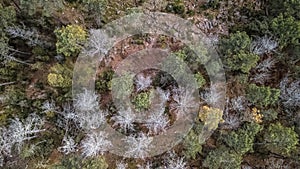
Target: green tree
[(192, 145), (235, 43), (242, 140), (286, 29), (286, 7), (70, 39), (224, 158), (280, 140), (242, 61), (60, 76), (262, 96)]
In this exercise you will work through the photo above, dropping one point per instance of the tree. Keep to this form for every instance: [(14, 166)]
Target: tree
[(286, 29), (235, 43), (262, 96), (138, 145), (95, 143), (70, 39), (60, 76), (242, 140), (242, 61), (223, 157), (175, 162), (281, 140)]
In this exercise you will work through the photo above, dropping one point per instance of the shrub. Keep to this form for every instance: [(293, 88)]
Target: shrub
[(286, 29), (280, 140), (142, 101), (242, 140), (176, 7), (77, 162), (103, 82), (223, 157), (262, 96), (200, 79), (192, 145), (235, 43), (70, 39), (60, 76), (242, 61)]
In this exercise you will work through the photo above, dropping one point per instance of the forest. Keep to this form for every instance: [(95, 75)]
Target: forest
[(149, 84)]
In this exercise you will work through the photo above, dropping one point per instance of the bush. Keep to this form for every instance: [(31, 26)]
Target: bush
[(192, 145), (60, 76), (103, 82), (242, 61), (70, 39), (286, 29), (77, 162), (200, 80), (280, 140), (235, 43), (262, 96), (142, 101), (176, 7), (242, 140), (223, 157)]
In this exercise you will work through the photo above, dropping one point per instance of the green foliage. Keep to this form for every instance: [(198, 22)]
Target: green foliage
[(70, 39), (262, 96), (280, 140), (235, 43), (60, 76), (287, 7), (142, 101), (286, 29), (103, 82), (242, 61), (94, 5), (224, 158), (78, 162), (242, 140), (7, 17), (46, 8), (200, 79), (192, 145), (236, 50), (269, 115), (176, 7)]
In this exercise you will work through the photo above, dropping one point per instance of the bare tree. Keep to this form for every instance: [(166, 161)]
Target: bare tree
[(25, 130), (157, 122), (174, 162), (95, 143), (263, 45), (142, 82), (121, 165), (138, 145), (68, 145), (290, 93), (124, 119), (184, 101)]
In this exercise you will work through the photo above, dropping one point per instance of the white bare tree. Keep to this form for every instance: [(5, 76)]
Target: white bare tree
[(138, 145), (142, 82), (263, 45), (174, 162), (157, 122), (124, 119), (184, 101), (290, 93), (121, 165), (68, 145), (92, 120), (95, 143), (147, 166), (28, 129), (86, 101)]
